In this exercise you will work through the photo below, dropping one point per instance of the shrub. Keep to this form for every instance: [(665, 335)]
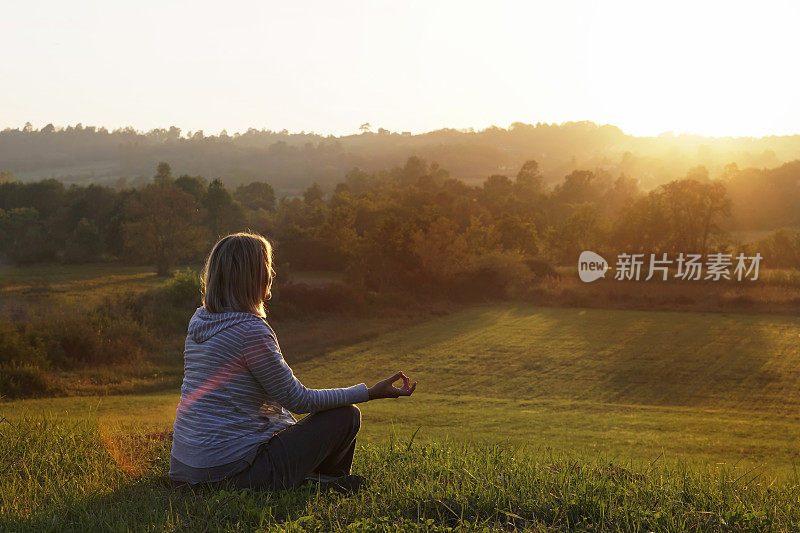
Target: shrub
[(168, 308), (18, 347), (542, 268), (494, 275), (21, 380), (183, 289)]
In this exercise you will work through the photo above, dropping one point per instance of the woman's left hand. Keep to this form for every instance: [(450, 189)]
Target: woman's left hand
[(386, 388)]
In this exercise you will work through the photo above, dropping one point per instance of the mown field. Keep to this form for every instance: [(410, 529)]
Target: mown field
[(553, 393), (93, 281), (526, 417)]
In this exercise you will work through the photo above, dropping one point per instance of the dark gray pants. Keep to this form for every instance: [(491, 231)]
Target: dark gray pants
[(321, 443)]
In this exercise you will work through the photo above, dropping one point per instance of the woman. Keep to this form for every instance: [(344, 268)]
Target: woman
[(234, 420)]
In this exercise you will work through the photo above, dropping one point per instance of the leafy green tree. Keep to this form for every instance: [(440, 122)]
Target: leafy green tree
[(163, 173), (497, 193), (528, 184), (22, 236), (517, 235), (256, 195), (163, 227), (680, 216), (781, 249), (84, 243), (194, 185), (313, 194), (582, 230), (222, 214)]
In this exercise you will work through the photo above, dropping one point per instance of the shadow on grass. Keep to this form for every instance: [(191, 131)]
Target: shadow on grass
[(154, 504), (660, 358), (689, 359)]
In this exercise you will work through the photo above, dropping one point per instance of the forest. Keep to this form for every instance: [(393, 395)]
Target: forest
[(409, 227)]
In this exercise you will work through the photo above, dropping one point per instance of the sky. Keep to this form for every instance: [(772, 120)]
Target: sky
[(711, 68)]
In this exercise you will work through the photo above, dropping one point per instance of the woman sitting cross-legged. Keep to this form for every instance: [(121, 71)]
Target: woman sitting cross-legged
[(234, 421)]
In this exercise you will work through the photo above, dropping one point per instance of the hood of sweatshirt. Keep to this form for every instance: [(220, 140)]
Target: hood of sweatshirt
[(205, 325)]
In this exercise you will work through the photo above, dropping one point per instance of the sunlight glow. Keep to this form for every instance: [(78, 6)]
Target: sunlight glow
[(713, 68)]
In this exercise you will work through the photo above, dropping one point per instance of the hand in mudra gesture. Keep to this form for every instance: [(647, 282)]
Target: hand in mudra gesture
[(386, 388)]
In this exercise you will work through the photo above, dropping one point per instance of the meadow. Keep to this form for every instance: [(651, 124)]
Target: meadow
[(556, 403)]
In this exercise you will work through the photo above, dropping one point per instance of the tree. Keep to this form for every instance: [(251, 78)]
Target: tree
[(529, 179), (693, 210), (516, 235), (413, 170), (256, 195), (582, 230), (194, 185), (698, 173), (497, 192), (681, 216), (365, 127), (163, 173), (163, 226), (578, 188), (22, 237), (529, 191), (222, 215), (84, 244), (313, 193)]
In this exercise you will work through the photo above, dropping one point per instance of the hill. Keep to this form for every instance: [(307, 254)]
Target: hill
[(581, 420), (699, 387), (292, 161), (645, 358)]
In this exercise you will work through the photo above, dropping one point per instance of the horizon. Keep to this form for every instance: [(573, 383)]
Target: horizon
[(185, 132), (648, 69)]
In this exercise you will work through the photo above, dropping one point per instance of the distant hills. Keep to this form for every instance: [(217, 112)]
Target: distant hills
[(292, 161)]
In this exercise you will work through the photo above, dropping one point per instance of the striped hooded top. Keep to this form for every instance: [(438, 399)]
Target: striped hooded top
[(238, 390)]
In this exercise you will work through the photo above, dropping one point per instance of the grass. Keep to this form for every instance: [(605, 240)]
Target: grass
[(701, 437), (95, 280), (522, 351), (74, 293), (78, 476), (71, 283), (697, 387), (526, 417)]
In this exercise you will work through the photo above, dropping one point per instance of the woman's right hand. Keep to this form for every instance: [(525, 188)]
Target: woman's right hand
[(386, 388)]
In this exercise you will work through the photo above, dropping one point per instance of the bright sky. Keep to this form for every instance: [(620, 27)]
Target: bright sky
[(714, 68)]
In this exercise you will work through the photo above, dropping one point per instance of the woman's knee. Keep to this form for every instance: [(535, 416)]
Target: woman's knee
[(344, 416), (351, 415), (355, 415)]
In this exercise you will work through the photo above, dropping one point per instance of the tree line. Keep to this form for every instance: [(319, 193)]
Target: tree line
[(413, 226)]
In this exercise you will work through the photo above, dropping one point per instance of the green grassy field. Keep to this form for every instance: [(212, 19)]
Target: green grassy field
[(667, 395), (76, 476), (93, 280), (692, 386)]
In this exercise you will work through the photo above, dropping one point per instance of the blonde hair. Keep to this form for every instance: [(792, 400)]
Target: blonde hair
[(238, 274)]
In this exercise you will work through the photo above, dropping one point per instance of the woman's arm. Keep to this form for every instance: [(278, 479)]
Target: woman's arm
[(263, 358)]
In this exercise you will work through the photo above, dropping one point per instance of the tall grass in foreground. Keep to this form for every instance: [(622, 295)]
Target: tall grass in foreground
[(57, 476)]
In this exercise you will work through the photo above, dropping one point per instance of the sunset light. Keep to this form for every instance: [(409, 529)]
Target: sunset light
[(533, 265), (711, 68)]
